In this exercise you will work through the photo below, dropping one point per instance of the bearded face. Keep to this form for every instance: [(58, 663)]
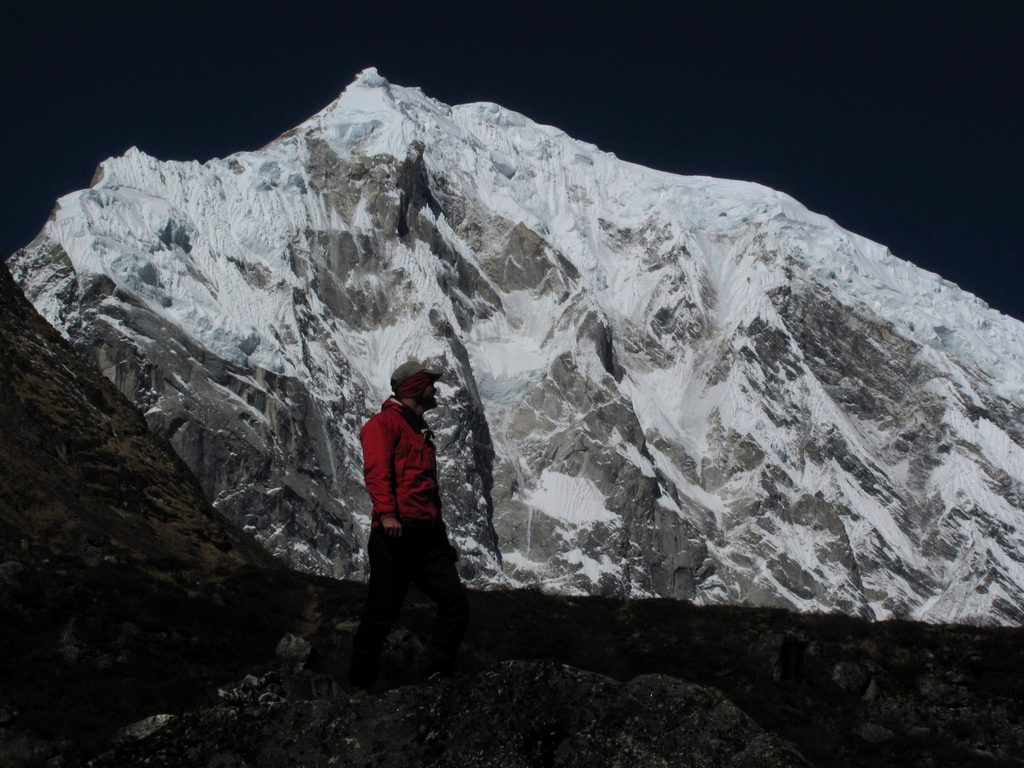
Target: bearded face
[(427, 398)]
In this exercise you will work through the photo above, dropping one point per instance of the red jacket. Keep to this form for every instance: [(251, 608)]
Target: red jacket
[(400, 465)]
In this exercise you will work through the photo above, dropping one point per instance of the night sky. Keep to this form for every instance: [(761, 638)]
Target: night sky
[(901, 121)]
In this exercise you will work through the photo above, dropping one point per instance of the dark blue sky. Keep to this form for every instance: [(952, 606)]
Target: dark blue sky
[(902, 121)]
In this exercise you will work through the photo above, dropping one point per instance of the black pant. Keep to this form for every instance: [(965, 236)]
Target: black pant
[(421, 555)]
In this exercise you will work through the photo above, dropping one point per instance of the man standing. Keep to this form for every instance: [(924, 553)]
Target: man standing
[(408, 539)]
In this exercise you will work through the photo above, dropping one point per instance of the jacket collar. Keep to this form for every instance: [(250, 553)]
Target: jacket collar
[(416, 422)]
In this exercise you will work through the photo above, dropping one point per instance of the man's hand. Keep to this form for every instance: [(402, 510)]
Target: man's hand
[(391, 527)]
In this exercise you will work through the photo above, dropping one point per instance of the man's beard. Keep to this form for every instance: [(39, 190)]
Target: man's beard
[(428, 402)]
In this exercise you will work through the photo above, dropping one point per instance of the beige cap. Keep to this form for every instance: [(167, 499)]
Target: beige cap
[(410, 368)]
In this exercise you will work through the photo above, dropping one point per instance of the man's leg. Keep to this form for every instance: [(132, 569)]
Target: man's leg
[(439, 580), (389, 581)]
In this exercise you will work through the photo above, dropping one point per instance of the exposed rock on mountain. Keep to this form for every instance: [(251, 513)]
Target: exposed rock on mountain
[(659, 385)]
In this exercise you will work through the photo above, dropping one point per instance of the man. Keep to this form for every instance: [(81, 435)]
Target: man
[(408, 539)]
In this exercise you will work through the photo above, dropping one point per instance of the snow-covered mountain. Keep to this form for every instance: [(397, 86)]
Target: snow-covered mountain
[(658, 384)]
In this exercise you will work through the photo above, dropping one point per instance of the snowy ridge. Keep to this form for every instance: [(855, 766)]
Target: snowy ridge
[(660, 384)]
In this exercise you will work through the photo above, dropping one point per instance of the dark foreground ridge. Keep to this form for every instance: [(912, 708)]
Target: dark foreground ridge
[(516, 713), (138, 627)]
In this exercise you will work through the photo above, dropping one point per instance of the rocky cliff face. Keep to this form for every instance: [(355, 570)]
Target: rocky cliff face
[(659, 385)]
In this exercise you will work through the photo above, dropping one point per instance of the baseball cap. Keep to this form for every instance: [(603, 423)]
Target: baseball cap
[(411, 368)]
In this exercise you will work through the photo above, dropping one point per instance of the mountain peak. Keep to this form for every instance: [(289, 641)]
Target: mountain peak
[(370, 78)]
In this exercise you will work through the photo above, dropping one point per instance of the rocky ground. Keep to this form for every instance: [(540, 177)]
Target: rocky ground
[(545, 681), (137, 627), (516, 713)]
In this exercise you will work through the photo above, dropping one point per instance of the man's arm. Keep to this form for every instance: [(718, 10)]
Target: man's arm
[(378, 474)]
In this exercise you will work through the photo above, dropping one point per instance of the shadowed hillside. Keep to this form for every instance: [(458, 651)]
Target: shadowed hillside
[(121, 589), (123, 596)]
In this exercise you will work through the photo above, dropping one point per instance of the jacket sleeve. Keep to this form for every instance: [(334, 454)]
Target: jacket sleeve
[(378, 468)]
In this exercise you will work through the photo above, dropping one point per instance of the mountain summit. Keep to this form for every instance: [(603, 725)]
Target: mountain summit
[(658, 384)]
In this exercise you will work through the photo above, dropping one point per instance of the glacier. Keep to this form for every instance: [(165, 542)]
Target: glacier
[(658, 384)]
